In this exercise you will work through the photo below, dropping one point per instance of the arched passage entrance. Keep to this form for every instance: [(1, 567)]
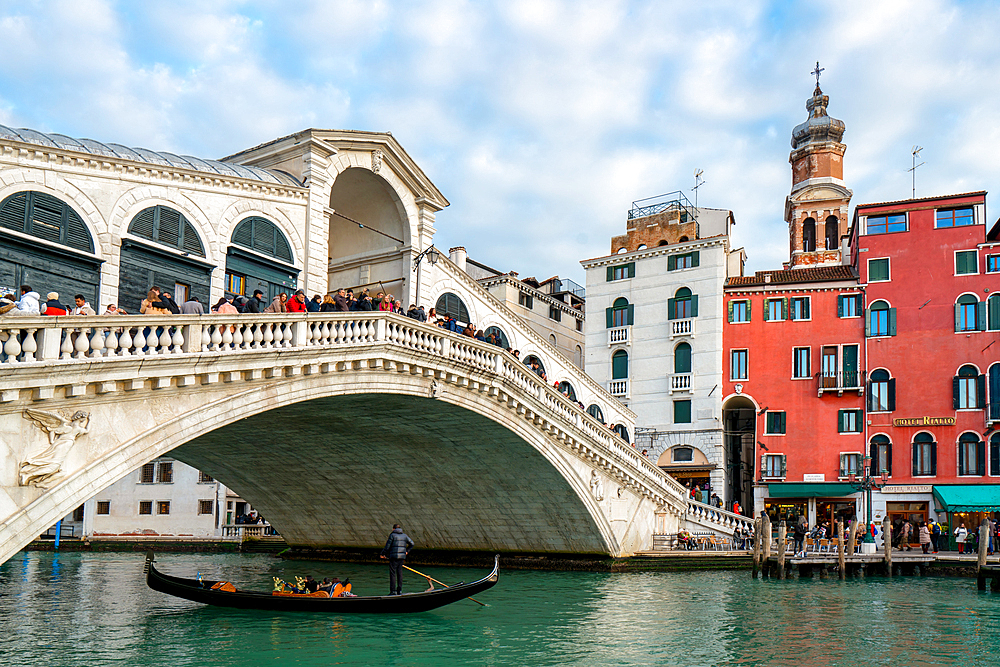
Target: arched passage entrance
[(739, 424)]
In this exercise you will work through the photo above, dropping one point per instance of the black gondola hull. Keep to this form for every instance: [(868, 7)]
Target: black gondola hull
[(192, 589)]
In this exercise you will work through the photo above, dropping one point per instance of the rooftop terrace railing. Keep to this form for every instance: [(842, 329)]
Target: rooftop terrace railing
[(672, 201)]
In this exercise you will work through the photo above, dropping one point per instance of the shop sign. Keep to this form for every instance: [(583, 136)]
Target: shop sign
[(924, 421), (814, 477), (911, 488)]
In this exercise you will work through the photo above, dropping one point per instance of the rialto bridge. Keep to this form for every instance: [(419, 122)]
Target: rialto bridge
[(334, 425)]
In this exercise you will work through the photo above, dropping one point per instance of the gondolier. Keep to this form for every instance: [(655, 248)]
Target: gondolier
[(396, 549)]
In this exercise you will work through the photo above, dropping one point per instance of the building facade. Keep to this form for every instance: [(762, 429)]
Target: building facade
[(658, 346)]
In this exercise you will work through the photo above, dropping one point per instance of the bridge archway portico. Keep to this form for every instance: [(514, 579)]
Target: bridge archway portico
[(184, 399)]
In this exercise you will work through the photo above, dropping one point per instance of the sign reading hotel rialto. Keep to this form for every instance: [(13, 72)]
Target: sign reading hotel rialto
[(924, 421), (910, 488)]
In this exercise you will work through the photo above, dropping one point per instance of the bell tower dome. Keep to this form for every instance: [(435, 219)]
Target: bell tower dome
[(816, 209)]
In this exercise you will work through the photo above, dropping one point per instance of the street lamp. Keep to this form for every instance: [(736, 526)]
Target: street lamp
[(432, 255), (866, 484)]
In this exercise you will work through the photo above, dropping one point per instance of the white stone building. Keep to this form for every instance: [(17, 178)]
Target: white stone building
[(659, 345)]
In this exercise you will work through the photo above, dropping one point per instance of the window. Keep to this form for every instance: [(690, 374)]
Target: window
[(995, 455), (775, 423), (594, 410), (46, 217), (555, 314), (993, 320), (739, 311), (622, 432), (881, 392), (167, 227), (773, 465), (966, 262), (849, 305), (145, 507), (968, 389), (994, 392), (104, 507), (924, 455), (236, 284), (147, 473), (955, 217), (738, 364), (621, 272), (970, 314), (881, 320), (880, 449), (849, 421), (829, 357), (579, 325), (809, 235), (800, 308), (619, 365), (682, 358), (499, 337), (832, 233), (683, 305), (450, 304), (206, 507), (775, 310), (203, 478), (800, 362), (263, 236), (686, 261), (878, 270), (620, 313), (850, 464), (525, 299), (971, 455), (682, 412), (163, 507), (886, 224), (683, 455), (165, 472), (566, 389), (992, 263)]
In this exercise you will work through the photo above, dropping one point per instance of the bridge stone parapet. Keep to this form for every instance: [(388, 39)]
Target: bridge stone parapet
[(700, 516), (153, 384)]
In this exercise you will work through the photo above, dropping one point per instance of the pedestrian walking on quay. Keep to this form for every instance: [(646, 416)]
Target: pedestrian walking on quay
[(960, 534), (935, 529), (396, 549), (925, 536), (904, 538)]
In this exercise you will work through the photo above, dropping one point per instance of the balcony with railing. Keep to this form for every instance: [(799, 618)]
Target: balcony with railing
[(680, 382), (683, 327), (620, 336), (839, 382), (618, 388)]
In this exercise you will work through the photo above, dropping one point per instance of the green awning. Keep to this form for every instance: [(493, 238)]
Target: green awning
[(810, 490), (969, 497)]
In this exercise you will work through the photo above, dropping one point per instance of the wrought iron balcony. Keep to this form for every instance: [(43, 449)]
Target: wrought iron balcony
[(839, 382)]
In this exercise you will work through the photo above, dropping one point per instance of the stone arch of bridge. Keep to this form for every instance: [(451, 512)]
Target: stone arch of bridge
[(402, 462)]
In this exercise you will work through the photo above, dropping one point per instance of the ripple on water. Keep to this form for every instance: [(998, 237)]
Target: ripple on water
[(94, 610)]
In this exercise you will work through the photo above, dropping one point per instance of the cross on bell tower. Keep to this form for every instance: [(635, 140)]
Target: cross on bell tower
[(816, 210)]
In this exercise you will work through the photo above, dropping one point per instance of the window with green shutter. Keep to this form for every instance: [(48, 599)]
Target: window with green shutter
[(849, 305), (620, 313), (621, 271), (849, 421), (878, 270), (683, 306), (263, 236), (993, 306), (682, 412), (739, 310), (167, 227), (775, 423), (966, 262), (43, 216), (686, 261)]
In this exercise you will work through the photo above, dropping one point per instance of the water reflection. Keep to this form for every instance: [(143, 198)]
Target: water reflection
[(94, 609)]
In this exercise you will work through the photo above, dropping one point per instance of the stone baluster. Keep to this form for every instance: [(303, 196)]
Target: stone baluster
[(97, 343), (12, 348), (238, 337), (206, 337), (125, 342), (163, 341), (286, 336), (152, 341), (267, 335), (67, 343), (111, 343), (177, 340), (216, 337), (30, 345), (227, 338)]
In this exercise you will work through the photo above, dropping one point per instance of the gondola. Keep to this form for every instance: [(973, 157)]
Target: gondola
[(202, 591)]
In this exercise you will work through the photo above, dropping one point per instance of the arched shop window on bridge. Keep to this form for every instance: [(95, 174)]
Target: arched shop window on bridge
[(165, 251), (531, 359), (259, 258), (594, 410), (450, 304), (567, 389), (622, 432), (62, 262), (499, 336)]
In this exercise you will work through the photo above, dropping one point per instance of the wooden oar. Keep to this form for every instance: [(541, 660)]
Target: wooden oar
[(439, 582)]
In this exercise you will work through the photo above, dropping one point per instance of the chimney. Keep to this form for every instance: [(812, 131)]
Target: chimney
[(458, 255)]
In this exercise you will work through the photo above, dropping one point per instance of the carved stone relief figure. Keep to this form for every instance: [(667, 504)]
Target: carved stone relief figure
[(41, 468), (376, 160), (596, 486)]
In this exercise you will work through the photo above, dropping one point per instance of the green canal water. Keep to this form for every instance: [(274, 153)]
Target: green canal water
[(95, 609)]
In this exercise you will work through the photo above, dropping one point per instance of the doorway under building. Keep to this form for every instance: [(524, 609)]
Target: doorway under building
[(739, 419)]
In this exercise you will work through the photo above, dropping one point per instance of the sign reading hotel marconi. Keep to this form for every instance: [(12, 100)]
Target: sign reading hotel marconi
[(924, 421)]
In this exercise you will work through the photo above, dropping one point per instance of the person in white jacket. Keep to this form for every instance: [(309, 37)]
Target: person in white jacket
[(28, 303)]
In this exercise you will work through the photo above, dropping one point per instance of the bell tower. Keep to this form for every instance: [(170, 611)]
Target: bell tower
[(816, 210)]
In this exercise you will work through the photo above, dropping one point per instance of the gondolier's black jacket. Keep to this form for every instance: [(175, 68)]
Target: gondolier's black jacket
[(398, 544)]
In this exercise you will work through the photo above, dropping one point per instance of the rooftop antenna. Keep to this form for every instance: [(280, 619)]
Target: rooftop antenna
[(913, 170), (698, 182)]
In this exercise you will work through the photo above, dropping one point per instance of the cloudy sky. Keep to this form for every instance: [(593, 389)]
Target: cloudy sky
[(541, 121)]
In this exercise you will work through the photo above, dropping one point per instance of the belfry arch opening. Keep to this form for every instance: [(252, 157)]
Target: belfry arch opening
[(739, 432)]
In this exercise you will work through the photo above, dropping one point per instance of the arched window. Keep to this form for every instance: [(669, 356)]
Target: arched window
[(809, 235), (880, 449), (993, 317), (642, 246), (167, 227), (924, 455), (552, 340), (967, 308), (43, 216), (971, 455), (881, 392), (683, 305), (682, 358), (619, 365), (622, 251), (881, 320), (968, 389), (578, 357), (995, 454), (535, 364), (263, 236), (449, 304), (594, 410), (832, 233), (499, 338), (620, 313), (622, 432), (995, 392), (662, 243), (683, 239), (567, 389)]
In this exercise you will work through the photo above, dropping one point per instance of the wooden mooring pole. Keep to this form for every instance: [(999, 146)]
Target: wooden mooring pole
[(984, 545), (839, 526), (757, 525), (887, 543), (765, 534), (782, 534)]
